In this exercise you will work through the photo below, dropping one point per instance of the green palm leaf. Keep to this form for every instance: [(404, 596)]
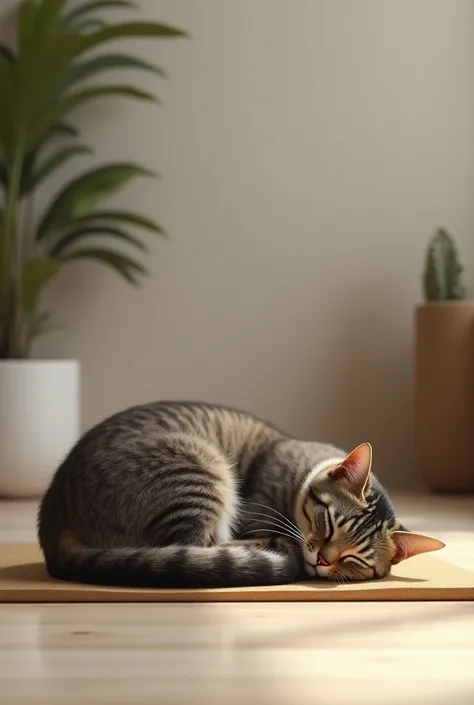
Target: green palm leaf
[(49, 166), (3, 174), (29, 88), (63, 128), (7, 111), (26, 22), (124, 217), (80, 196), (28, 91), (6, 54), (123, 265), (87, 8), (89, 25), (29, 161), (58, 129), (35, 273), (127, 30), (67, 104), (70, 102), (48, 15), (81, 71), (39, 323), (30, 180), (71, 238)]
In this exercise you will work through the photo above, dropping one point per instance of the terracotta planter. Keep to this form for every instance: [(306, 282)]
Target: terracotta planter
[(444, 394)]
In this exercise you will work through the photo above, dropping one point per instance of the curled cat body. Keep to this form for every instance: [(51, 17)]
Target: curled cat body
[(190, 495)]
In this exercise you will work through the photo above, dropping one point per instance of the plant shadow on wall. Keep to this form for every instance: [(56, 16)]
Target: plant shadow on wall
[(46, 72), (44, 77)]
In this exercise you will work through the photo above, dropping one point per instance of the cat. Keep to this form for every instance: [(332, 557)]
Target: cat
[(192, 495)]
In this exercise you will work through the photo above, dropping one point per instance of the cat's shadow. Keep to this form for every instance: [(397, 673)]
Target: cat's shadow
[(35, 573), (329, 584), (25, 572)]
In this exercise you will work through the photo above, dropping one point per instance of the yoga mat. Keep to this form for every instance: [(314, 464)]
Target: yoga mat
[(23, 578)]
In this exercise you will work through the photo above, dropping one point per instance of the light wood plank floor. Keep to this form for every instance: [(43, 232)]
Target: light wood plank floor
[(257, 654)]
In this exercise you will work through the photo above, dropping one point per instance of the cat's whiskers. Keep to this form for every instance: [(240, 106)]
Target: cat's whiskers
[(286, 520), (272, 509), (279, 526), (273, 531), (341, 578), (275, 522)]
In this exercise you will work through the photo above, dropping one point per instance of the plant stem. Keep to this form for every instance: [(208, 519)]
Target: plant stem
[(10, 293), (28, 223)]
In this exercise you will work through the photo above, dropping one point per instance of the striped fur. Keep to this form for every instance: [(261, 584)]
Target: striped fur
[(184, 494)]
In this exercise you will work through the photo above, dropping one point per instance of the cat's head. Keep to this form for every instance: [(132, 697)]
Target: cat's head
[(351, 529)]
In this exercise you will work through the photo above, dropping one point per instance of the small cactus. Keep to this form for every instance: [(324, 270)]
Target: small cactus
[(443, 271)]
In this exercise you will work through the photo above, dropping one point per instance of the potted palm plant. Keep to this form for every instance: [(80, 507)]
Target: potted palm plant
[(444, 372), (43, 79)]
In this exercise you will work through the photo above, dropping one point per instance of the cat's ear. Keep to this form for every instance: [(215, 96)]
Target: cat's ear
[(408, 544), (353, 472)]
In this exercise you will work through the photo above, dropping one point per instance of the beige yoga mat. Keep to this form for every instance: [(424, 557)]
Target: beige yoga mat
[(23, 579)]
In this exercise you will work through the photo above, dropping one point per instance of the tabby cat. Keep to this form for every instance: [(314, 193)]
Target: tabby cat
[(184, 494)]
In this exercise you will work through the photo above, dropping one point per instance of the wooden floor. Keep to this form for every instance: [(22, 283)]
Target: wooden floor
[(371, 653)]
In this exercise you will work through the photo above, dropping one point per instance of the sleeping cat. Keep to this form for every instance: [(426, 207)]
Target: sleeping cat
[(184, 494)]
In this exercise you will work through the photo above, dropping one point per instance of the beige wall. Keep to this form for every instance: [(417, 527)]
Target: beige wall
[(308, 149)]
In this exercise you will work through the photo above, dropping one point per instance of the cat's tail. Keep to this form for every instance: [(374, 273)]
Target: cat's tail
[(176, 566)]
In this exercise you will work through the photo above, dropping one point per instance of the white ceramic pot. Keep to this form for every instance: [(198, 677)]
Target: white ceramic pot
[(39, 422)]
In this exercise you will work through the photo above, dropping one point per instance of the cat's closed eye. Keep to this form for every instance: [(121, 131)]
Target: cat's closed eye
[(354, 559)]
